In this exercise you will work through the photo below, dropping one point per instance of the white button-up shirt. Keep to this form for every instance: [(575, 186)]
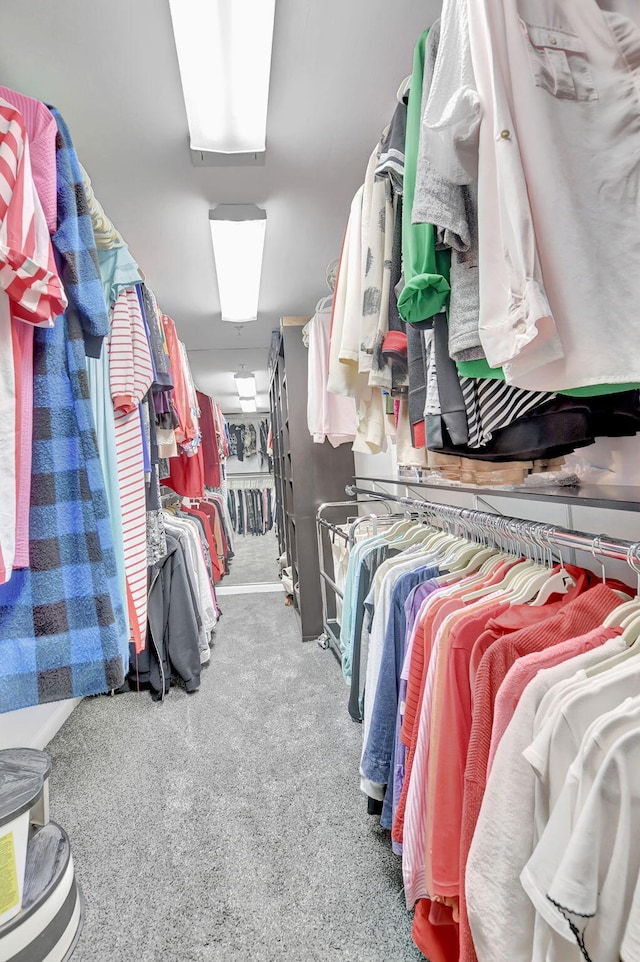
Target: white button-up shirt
[(544, 97)]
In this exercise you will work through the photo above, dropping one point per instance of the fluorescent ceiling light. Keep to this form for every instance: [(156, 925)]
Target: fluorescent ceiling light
[(248, 405), (224, 54), (245, 385), (237, 234)]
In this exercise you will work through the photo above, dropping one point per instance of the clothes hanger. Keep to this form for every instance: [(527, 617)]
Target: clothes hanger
[(324, 305), (560, 581), (537, 588), (467, 552), (595, 545), (618, 615), (528, 582), (513, 578), (403, 89), (628, 620)]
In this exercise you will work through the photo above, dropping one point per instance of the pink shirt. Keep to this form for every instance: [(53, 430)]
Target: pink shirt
[(41, 130), (525, 669), (452, 735), (31, 292)]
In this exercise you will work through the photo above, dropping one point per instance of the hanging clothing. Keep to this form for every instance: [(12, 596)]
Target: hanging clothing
[(173, 629), (452, 209), (32, 294), (426, 269), (107, 237), (41, 132), (210, 453), (41, 128), (329, 416), (62, 632), (538, 316), (131, 375)]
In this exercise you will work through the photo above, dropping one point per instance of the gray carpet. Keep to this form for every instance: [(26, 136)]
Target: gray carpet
[(228, 825), (255, 559)]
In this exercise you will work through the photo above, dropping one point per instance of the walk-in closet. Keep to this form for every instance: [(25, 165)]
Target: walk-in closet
[(320, 485)]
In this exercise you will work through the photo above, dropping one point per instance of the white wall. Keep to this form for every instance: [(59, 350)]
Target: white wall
[(34, 727)]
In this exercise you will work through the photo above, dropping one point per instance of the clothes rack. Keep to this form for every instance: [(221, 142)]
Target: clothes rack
[(330, 638), (543, 536), (244, 481)]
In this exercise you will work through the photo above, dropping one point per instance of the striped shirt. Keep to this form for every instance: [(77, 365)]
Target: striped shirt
[(131, 376), (30, 291)]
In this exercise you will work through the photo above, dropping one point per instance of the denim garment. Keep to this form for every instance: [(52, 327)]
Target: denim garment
[(379, 750)]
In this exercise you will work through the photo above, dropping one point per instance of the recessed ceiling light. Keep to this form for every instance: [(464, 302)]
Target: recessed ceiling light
[(248, 405)]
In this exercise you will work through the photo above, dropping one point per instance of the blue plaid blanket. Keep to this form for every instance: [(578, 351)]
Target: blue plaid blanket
[(62, 627), (74, 244)]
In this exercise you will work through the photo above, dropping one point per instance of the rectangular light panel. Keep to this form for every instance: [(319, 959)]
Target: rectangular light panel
[(224, 54), (245, 385), (238, 246), (248, 405)]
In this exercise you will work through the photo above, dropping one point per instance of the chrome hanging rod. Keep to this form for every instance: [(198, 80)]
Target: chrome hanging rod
[(519, 529)]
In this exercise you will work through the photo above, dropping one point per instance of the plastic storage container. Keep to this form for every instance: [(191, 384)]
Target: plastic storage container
[(19, 792)]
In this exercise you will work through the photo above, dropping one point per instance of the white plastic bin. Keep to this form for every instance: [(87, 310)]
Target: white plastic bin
[(19, 791)]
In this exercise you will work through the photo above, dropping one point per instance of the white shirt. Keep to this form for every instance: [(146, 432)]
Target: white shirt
[(500, 914), (538, 874), (549, 90), (344, 377), (591, 894), (557, 743)]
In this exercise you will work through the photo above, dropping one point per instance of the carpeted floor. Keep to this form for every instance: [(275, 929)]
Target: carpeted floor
[(255, 559), (228, 825)]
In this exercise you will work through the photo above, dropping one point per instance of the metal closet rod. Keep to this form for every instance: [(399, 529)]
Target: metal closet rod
[(521, 529)]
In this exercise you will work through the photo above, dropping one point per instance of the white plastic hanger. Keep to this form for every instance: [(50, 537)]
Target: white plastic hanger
[(618, 615), (403, 89), (558, 582)]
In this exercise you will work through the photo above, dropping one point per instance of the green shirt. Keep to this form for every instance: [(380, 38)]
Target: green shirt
[(426, 270)]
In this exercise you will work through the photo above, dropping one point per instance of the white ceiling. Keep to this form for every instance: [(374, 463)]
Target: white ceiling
[(111, 69)]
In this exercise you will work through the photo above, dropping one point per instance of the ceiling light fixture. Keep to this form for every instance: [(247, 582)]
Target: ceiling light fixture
[(248, 405), (245, 384), (237, 234), (224, 54)]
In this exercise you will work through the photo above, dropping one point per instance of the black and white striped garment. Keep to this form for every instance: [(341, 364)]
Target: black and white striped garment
[(491, 405)]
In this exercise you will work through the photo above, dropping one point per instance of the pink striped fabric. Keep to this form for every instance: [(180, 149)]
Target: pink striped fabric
[(131, 375), (30, 291)]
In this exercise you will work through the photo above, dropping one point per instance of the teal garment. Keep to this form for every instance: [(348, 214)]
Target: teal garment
[(118, 269), (426, 270), (103, 415), (480, 369)]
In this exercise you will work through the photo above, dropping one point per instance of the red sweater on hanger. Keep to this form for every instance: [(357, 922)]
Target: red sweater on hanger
[(186, 475), (210, 452)]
